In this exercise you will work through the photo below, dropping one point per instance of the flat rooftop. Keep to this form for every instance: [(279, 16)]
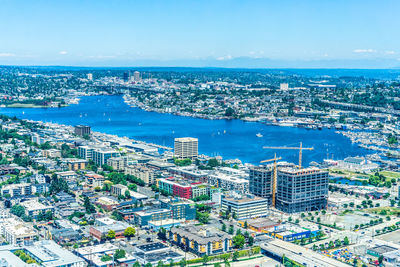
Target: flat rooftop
[(152, 247)]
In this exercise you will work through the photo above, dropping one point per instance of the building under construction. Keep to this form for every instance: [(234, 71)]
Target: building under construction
[(260, 183), (300, 190)]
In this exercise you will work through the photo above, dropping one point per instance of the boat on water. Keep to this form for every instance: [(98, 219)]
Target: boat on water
[(259, 135)]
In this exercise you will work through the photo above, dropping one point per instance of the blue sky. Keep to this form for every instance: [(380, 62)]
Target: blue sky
[(127, 32)]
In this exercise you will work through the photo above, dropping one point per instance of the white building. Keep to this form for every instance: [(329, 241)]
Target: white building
[(359, 164), (186, 148), (16, 232), (229, 182), (46, 253)]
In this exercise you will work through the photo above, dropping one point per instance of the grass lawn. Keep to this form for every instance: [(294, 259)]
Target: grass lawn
[(348, 174), (390, 174), (389, 210)]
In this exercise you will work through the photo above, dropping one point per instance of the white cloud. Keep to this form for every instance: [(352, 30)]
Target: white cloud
[(102, 57), (7, 55), (390, 52), (63, 52), (364, 51), (225, 57)]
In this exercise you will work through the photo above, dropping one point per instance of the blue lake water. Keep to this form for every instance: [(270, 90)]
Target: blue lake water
[(111, 115)]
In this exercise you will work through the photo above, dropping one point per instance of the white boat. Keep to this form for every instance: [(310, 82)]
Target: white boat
[(259, 135)]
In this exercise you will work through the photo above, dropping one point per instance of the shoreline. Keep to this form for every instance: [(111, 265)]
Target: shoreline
[(150, 143)]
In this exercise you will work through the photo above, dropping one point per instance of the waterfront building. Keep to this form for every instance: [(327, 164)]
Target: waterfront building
[(260, 181), (245, 207), (358, 164), (201, 241), (186, 148), (82, 130), (300, 190)]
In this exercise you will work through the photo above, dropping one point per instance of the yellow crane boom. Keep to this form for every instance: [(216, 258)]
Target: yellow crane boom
[(300, 148), (274, 178)]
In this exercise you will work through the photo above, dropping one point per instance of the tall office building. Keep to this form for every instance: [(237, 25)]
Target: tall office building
[(300, 190), (186, 148), (90, 76), (260, 181), (136, 76), (82, 130), (126, 76)]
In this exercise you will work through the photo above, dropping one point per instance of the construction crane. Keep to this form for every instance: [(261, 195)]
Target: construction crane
[(300, 148), (274, 178)]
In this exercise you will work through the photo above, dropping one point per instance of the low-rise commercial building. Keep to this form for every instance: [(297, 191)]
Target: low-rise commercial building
[(46, 253), (244, 207), (200, 240), (100, 232)]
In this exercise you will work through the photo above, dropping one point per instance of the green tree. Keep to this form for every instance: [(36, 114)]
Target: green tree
[(238, 241), (88, 206), (229, 112), (119, 254), (205, 259), (129, 231), (110, 234), (235, 256), (224, 227)]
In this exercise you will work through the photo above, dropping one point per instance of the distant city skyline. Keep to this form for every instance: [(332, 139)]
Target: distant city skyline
[(253, 34)]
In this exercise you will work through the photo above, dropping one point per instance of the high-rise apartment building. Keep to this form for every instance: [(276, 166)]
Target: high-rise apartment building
[(300, 190), (260, 181), (90, 76), (186, 148), (136, 76), (126, 76), (82, 130)]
